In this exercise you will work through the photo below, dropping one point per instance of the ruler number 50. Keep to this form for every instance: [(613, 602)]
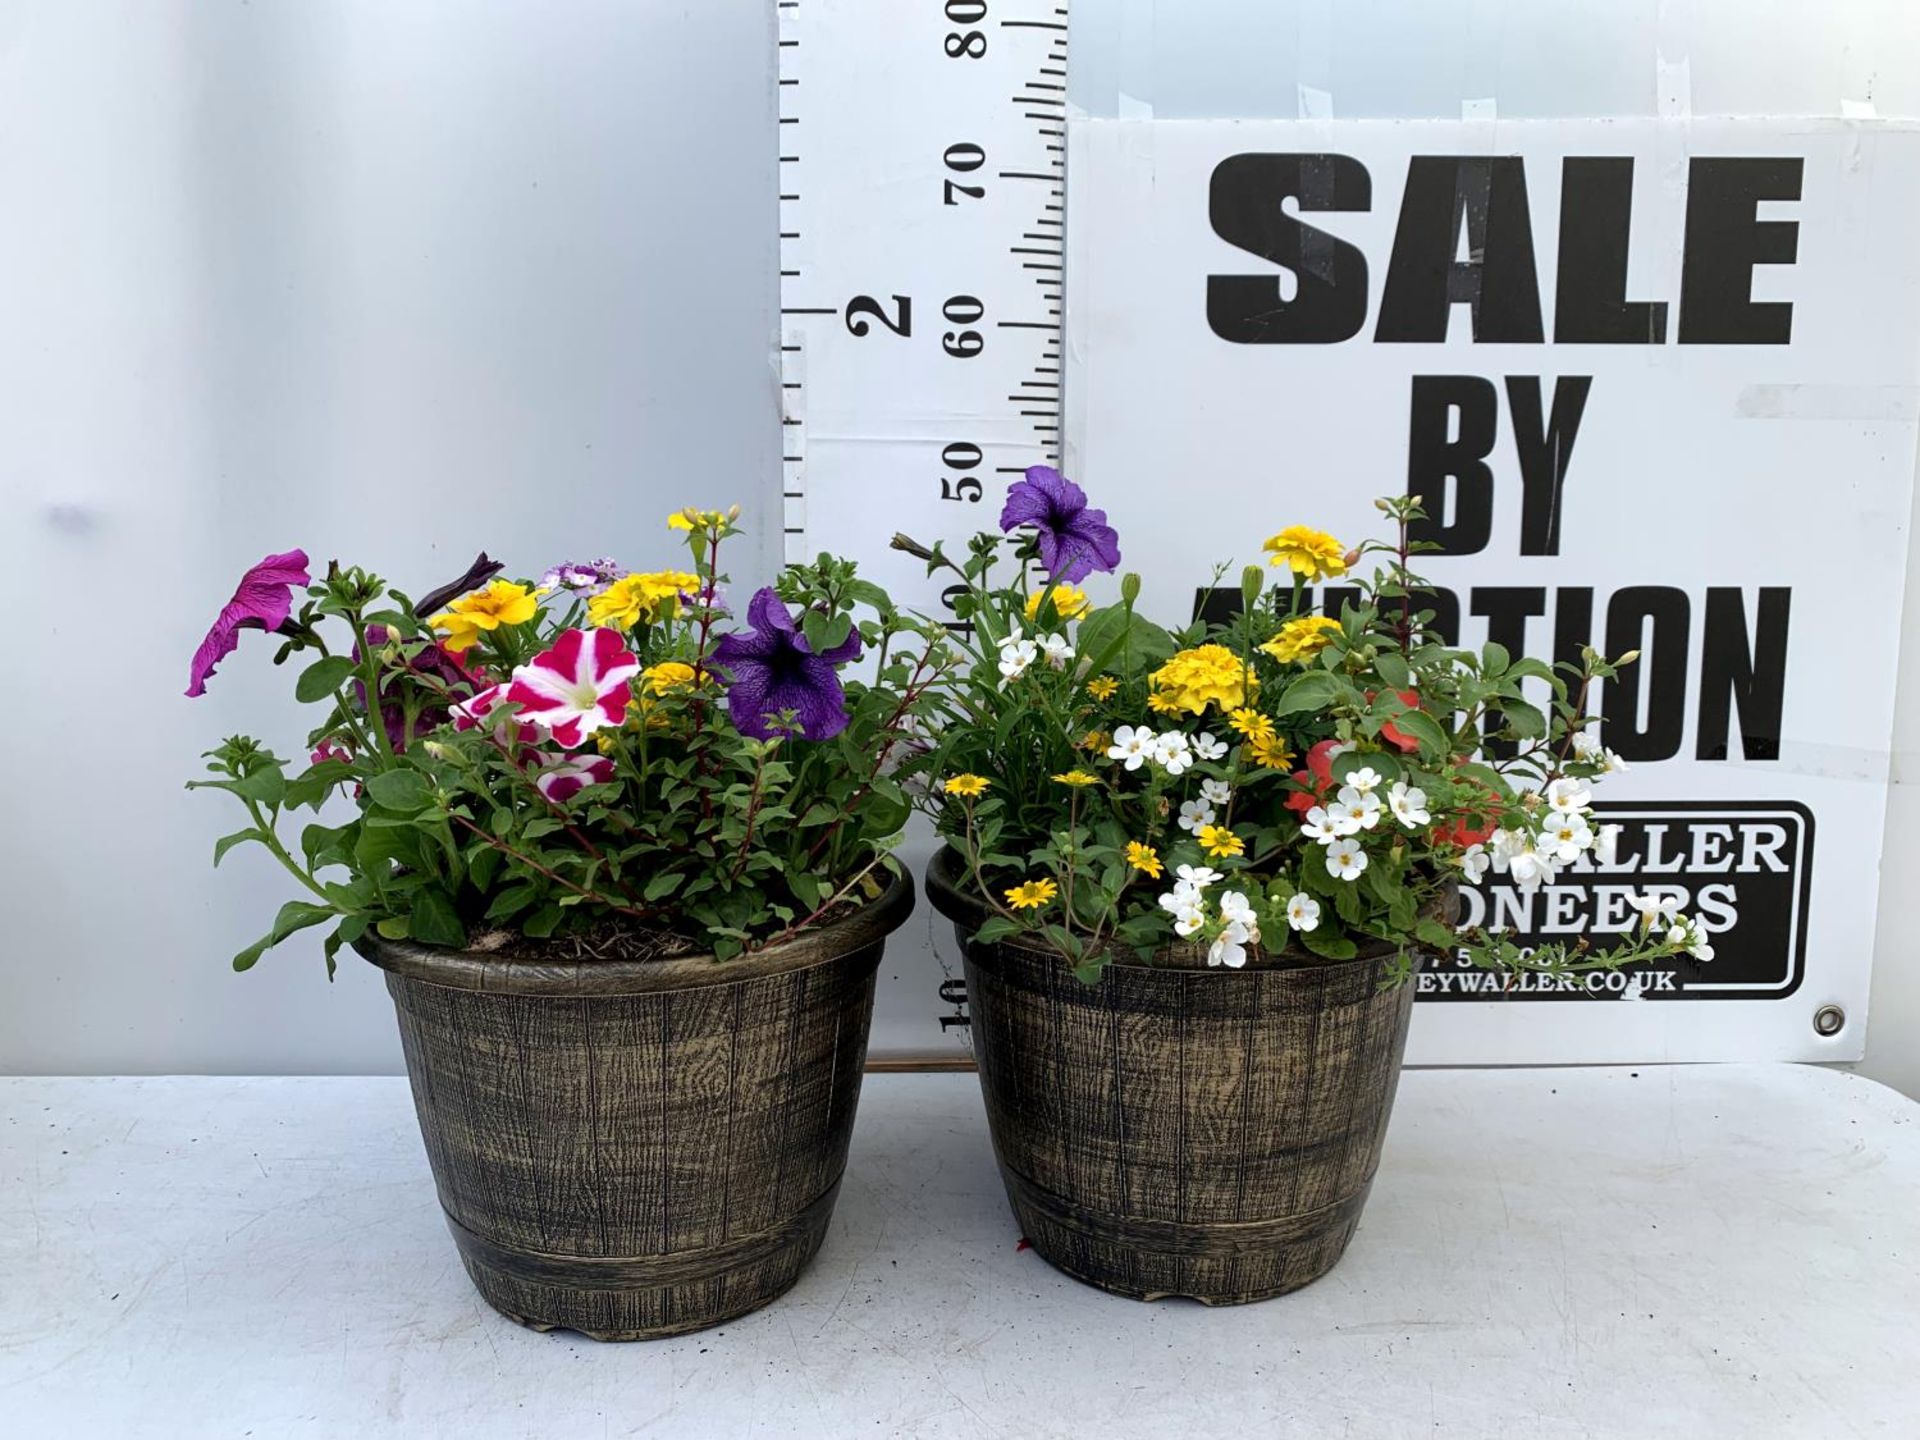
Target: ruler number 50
[(966, 44)]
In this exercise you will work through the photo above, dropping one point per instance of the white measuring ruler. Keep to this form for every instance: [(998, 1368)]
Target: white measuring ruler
[(922, 244)]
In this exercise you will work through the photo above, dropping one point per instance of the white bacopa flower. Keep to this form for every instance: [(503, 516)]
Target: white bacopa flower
[(1569, 796), (1181, 897), (1230, 949), (1606, 846), (1611, 763), (1188, 919), (1586, 746), (1194, 814), (1215, 792), (1655, 910), (1343, 820), (1303, 912), (1365, 779), (1474, 861), (1132, 745), (1345, 859), (1198, 876), (1058, 650), (1565, 836), (1016, 654), (1172, 752), (1516, 854), (1409, 805), (1321, 826), (1363, 806), (1208, 748), (1235, 908)]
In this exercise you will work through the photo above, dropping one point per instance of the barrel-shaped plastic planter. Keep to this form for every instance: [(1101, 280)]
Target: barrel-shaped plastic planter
[(1210, 1133), (632, 1148)]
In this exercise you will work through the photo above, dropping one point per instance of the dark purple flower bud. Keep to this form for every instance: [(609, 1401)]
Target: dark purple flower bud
[(479, 573)]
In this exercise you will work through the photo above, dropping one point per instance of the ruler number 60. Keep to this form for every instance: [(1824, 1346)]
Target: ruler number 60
[(966, 44), (963, 310)]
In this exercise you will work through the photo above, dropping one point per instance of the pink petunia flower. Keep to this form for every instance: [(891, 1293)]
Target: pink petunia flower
[(263, 601), (562, 777), (471, 713), (577, 687)]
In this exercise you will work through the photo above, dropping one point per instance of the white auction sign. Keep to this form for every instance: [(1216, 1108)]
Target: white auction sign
[(1655, 382)]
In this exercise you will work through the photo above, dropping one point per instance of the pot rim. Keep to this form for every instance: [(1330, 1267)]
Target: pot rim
[(494, 974), (942, 879)]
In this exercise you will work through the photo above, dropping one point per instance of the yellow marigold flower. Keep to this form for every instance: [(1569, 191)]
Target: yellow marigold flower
[(1103, 687), (1077, 778), (500, 603), (1220, 842), (1310, 554), (1032, 895), (1096, 741), (1069, 602), (1142, 858), (1205, 675), (1250, 723), (667, 675), (1269, 751), (968, 785), (641, 599), (692, 518), (1302, 638)]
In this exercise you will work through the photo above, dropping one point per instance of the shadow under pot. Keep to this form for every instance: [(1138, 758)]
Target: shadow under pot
[(1208, 1133), (631, 1148)]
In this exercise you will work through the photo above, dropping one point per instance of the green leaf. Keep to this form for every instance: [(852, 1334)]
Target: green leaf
[(663, 885), (1114, 636), (806, 888), (1313, 691), (264, 784), (393, 927), (435, 921), (1524, 720), (1432, 932), (227, 842), (1425, 731), (1494, 660), (995, 929), (321, 679), (1328, 945), (512, 901), (294, 916), (402, 791), (1392, 668)]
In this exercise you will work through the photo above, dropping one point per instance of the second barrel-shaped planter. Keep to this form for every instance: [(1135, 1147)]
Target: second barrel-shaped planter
[(635, 1148), (1181, 1131)]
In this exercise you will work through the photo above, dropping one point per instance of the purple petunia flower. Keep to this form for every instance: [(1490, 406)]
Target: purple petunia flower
[(1074, 541), (263, 601), (587, 578), (774, 670), (431, 661)]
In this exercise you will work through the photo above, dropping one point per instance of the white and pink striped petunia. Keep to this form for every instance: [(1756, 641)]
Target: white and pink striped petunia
[(577, 687), (562, 777), (472, 712)]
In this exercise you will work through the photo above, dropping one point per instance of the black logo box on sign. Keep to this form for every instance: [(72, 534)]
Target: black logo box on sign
[(1743, 867)]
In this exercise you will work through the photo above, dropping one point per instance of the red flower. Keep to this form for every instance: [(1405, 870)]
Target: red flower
[(1317, 777), (1392, 733)]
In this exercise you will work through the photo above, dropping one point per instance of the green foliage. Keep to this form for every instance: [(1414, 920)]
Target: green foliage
[(431, 833), (1329, 777)]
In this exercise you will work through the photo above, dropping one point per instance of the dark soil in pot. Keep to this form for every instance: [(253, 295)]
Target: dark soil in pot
[(639, 1148), (1179, 1131)]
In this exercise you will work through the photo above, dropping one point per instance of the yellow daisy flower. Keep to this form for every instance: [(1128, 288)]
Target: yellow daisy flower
[(1269, 752), (1250, 723), (1302, 638), (1220, 842), (1077, 778), (1032, 895), (1142, 858), (1310, 554), (641, 599), (1096, 741), (968, 785), (1205, 675), (1103, 687)]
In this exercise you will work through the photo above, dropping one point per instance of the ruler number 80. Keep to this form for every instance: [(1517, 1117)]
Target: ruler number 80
[(966, 44)]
